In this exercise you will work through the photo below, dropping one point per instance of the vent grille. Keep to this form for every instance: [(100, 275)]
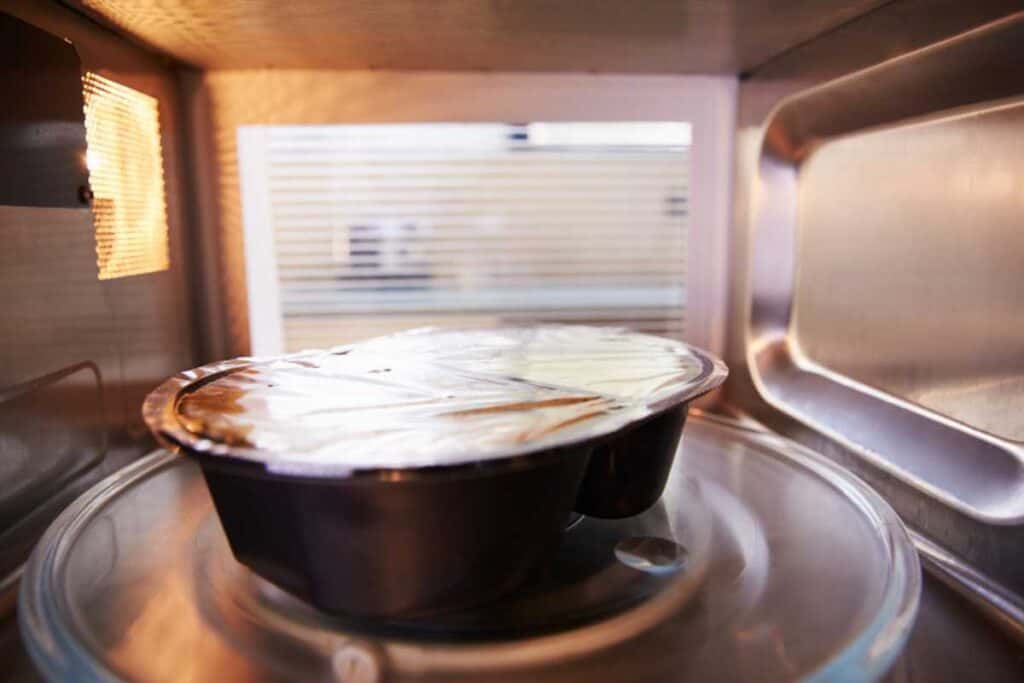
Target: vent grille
[(126, 176), (381, 228)]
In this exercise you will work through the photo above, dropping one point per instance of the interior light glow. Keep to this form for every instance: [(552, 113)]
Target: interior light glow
[(126, 175)]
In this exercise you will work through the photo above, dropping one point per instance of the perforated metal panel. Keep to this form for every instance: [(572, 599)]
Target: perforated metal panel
[(126, 175), (380, 228)]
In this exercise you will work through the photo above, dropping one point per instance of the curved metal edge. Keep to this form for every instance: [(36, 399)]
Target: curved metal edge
[(30, 499), (159, 411), (994, 601), (760, 316), (902, 439), (777, 367)]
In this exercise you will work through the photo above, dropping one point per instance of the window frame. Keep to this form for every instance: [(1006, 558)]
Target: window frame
[(707, 103)]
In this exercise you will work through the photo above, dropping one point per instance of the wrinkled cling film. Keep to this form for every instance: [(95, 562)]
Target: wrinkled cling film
[(429, 397)]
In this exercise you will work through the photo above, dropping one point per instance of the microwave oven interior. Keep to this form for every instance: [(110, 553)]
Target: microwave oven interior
[(827, 195)]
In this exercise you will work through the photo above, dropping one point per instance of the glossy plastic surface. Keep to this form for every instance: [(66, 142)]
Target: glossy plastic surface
[(409, 546), (809, 576)]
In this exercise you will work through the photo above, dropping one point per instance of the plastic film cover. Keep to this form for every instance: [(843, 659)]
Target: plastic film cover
[(428, 398)]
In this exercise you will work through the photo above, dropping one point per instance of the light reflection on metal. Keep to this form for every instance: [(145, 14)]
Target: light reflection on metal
[(125, 162)]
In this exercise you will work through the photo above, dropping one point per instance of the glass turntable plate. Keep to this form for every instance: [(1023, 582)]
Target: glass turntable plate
[(762, 561)]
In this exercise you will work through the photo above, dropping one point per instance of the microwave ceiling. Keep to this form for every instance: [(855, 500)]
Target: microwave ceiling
[(646, 36)]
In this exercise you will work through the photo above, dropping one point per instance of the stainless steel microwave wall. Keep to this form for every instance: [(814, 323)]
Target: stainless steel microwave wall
[(882, 319), (873, 308), (77, 354)]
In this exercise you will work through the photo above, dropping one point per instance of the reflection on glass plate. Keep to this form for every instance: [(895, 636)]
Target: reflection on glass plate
[(762, 561)]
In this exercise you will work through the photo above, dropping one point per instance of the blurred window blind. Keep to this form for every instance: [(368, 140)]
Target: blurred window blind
[(379, 228), (126, 175)]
